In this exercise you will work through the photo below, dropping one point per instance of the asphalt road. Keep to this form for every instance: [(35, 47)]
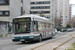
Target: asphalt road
[(7, 44)]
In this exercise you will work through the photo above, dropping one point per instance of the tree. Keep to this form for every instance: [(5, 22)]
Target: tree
[(57, 22), (73, 21), (68, 26)]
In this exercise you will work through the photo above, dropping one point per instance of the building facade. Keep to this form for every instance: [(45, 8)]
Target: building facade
[(62, 11), (18, 8), (43, 8), (4, 16)]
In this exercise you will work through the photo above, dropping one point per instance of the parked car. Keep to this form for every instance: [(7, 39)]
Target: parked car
[(63, 30), (55, 31), (69, 30)]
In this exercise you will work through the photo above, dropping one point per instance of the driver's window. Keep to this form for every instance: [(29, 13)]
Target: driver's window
[(25, 27)]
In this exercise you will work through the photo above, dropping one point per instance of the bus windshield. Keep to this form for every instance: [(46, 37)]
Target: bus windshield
[(22, 27)]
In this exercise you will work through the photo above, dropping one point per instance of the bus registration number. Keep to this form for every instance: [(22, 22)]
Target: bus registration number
[(22, 40)]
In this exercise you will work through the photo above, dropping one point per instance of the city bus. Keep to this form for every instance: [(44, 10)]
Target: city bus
[(32, 28)]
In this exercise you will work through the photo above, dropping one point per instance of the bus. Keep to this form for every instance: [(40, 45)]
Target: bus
[(31, 28)]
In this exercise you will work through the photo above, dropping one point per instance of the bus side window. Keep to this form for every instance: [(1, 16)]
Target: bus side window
[(41, 26), (35, 26)]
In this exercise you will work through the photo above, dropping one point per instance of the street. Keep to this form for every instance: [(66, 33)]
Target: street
[(7, 44)]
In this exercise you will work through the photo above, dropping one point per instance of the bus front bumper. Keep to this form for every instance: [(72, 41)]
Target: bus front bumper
[(25, 38)]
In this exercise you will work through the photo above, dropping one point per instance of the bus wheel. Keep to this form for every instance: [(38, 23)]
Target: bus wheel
[(51, 36), (40, 38), (23, 41)]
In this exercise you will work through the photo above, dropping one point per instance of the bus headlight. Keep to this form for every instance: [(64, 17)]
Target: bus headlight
[(31, 37)]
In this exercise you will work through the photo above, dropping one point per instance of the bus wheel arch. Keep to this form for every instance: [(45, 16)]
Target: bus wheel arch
[(23, 41), (40, 37), (51, 35)]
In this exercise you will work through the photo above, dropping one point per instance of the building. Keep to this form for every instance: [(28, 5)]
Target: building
[(4, 16), (43, 8), (19, 7), (62, 11)]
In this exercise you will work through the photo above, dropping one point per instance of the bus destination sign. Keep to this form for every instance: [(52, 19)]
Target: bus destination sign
[(21, 19)]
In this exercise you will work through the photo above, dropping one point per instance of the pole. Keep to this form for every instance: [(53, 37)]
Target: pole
[(21, 7), (60, 20), (55, 18)]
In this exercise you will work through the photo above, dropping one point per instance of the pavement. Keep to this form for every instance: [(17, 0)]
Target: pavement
[(4, 41), (56, 44)]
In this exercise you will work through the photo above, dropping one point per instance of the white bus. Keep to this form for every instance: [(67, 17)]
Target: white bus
[(32, 28)]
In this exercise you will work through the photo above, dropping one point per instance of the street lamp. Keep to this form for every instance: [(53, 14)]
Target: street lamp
[(21, 7), (60, 20), (55, 18)]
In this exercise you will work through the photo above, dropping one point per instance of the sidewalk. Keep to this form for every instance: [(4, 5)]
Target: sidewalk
[(5, 40)]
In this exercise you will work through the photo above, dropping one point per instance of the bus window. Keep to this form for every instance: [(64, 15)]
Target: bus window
[(35, 26), (41, 26), (22, 27), (19, 30)]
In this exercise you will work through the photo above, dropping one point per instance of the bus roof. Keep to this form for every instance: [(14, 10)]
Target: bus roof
[(35, 17), (32, 16)]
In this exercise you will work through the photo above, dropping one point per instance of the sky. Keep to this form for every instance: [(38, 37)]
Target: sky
[(72, 1), (73, 7)]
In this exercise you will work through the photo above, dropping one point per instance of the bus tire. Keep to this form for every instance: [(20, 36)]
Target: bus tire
[(51, 36), (23, 41), (40, 38)]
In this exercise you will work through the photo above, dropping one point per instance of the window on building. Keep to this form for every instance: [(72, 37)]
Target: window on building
[(7, 13), (47, 16), (45, 2), (1, 12), (38, 12), (70, 17), (61, 16), (4, 13), (41, 7), (4, 2), (66, 16)]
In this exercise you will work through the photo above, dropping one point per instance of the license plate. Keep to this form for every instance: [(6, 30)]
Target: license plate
[(22, 40)]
